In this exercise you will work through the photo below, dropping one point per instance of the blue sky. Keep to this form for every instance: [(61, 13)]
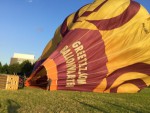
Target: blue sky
[(26, 26)]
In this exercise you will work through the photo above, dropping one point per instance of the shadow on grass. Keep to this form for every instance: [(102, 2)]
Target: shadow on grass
[(12, 106), (114, 106), (121, 106), (91, 106)]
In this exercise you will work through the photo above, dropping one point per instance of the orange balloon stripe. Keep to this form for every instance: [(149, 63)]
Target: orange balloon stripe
[(51, 69)]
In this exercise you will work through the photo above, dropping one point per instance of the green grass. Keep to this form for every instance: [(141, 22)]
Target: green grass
[(30, 100)]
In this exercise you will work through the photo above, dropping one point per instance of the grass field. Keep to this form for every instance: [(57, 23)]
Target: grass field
[(30, 100)]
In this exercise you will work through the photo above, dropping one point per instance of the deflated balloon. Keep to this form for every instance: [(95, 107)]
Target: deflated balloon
[(103, 47)]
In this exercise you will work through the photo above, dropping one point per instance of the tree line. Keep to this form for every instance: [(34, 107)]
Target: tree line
[(23, 69)]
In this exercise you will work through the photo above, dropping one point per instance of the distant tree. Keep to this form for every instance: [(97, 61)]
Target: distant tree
[(1, 67), (5, 69), (14, 69), (26, 68)]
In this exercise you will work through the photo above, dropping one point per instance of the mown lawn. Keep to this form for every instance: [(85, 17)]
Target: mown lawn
[(30, 100)]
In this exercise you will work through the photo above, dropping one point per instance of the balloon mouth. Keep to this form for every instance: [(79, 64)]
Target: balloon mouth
[(42, 75)]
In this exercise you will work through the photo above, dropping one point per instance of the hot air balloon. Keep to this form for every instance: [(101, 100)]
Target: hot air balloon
[(103, 47)]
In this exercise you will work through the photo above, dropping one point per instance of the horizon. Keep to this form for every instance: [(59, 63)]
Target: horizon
[(28, 25)]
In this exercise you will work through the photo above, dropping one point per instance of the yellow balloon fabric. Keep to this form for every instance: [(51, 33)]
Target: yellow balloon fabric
[(103, 47)]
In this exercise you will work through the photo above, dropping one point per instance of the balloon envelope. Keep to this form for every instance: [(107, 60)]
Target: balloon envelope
[(103, 47)]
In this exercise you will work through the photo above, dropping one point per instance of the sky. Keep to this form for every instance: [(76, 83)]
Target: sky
[(26, 26)]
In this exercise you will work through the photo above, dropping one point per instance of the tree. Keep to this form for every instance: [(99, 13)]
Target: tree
[(14, 69), (1, 67), (26, 68), (5, 69)]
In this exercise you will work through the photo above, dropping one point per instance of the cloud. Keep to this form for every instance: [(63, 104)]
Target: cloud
[(39, 30)]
